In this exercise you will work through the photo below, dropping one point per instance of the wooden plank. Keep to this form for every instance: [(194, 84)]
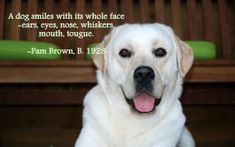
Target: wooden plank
[(64, 5), (36, 144), (208, 94), (214, 63), (2, 12), (191, 9), (144, 11), (225, 31), (80, 8), (9, 64), (44, 96), (15, 30), (160, 11), (47, 74), (32, 117), (56, 126), (211, 74), (113, 6), (176, 17), (32, 9), (127, 9), (73, 94), (211, 126), (208, 20), (31, 64), (43, 72), (31, 135), (96, 7), (78, 72), (48, 7)]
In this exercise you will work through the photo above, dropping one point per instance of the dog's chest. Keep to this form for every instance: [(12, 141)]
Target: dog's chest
[(145, 139), (129, 134)]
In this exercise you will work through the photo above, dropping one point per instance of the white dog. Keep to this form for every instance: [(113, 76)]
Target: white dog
[(136, 102)]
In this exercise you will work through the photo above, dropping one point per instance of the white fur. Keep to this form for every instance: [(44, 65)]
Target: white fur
[(108, 120)]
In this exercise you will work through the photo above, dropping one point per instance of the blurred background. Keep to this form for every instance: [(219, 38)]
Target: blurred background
[(41, 96)]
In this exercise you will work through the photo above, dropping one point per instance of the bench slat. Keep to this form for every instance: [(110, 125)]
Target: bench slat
[(160, 11), (176, 17), (224, 27), (96, 7), (144, 10), (64, 5), (127, 9), (191, 9), (112, 7), (15, 30), (32, 8), (48, 7), (80, 8), (208, 20), (2, 9)]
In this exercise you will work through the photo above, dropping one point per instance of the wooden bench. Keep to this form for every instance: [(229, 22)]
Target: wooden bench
[(44, 98), (192, 20)]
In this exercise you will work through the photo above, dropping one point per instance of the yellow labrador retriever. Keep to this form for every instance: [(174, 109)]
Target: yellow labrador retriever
[(136, 102)]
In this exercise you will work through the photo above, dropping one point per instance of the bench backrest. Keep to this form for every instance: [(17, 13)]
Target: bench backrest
[(212, 20)]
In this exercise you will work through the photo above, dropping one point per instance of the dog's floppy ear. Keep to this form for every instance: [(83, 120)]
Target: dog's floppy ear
[(184, 57), (99, 59), (184, 52)]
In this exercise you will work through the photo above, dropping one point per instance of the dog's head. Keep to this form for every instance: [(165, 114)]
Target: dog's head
[(143, 60)]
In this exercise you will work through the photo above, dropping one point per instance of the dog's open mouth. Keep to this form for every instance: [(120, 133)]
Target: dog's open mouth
[(144, 102)]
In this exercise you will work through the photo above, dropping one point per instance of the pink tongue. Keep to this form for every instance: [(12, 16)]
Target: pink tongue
[(144, 102)]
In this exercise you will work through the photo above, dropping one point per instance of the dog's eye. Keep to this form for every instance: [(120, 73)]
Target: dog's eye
[(160, 52), (125, 53)]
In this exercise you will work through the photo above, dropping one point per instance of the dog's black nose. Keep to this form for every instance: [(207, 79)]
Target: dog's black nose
[(144, 74)]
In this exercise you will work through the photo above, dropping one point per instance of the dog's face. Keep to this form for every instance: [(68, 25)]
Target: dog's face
[(142, 60)]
